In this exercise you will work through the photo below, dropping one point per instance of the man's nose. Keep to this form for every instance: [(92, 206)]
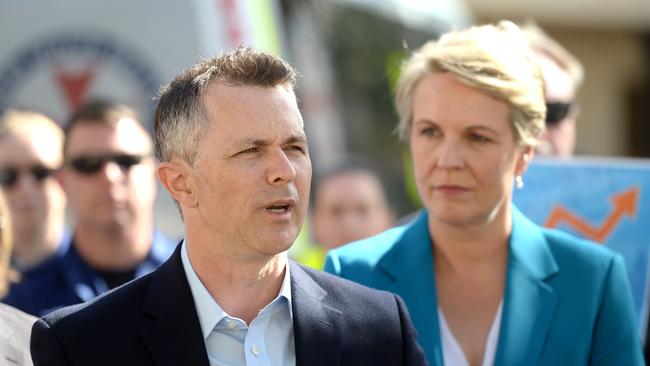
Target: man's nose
[(26, 181), (113, 172), (25, 185), (281, 169)]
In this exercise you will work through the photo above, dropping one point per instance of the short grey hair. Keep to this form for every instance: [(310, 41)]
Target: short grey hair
[(180, 119)]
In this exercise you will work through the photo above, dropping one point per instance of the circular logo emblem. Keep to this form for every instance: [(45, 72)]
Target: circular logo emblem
[(56, 74)]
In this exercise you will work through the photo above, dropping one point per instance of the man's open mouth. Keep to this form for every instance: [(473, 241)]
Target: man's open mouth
[(279, 209), (280, 206)]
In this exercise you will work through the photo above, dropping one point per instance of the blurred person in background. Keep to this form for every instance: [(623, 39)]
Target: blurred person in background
[(109, 177), (30, 152), (484, 284), (349, 203), (15, 326), (563, 75)]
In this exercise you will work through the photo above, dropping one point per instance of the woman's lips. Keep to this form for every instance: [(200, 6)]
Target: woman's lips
[(449, 189)]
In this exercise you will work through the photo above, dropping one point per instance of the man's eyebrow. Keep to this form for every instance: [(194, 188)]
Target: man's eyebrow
[(295, 139), (263, 142)]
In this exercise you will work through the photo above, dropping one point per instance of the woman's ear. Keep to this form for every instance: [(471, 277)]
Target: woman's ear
[(525, 157), (176, 177)]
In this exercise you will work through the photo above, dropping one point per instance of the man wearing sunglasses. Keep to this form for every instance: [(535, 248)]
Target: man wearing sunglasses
[(30, 152), (109, 177), (563, 75)]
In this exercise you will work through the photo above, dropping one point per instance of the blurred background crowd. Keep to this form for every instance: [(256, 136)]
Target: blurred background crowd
[(348, 52)]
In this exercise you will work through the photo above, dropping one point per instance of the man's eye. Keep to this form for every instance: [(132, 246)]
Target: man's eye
[(296, 148), (249, 151)]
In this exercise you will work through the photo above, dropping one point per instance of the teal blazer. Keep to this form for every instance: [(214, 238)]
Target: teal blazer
[(567, 301)]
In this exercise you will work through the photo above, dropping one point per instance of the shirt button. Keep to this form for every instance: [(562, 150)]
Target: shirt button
[(231, 324), (255, 350)]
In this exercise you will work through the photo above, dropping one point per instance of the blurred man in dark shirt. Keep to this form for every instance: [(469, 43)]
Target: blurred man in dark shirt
[(110, 181)]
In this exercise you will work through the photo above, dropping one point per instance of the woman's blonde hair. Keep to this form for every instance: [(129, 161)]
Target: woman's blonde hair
[(5, 247), (495, 59)]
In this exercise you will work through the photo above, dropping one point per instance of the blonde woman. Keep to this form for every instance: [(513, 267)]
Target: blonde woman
[(484, 285), (15, 326)]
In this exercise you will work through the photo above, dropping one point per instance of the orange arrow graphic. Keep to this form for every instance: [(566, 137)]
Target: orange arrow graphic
[(625, 203)]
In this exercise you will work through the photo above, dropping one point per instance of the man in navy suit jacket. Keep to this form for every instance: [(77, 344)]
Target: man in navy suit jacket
[(234, 157)]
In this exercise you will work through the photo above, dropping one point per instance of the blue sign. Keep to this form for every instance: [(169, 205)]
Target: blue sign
[(604, 200)]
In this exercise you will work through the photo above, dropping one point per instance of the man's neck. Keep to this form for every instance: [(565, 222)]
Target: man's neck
[(113, 248), (241, 288)]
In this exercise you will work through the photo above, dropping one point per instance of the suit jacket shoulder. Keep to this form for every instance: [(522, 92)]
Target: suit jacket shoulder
[(355, 324), (153, 321)]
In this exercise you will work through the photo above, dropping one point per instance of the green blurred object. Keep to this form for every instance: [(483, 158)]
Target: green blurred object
[(409, 178), (394, 68), (305, 252)]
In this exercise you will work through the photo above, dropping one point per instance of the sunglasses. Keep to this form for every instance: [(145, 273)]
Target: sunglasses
[(556, 112), (9, 175), (91, 164)]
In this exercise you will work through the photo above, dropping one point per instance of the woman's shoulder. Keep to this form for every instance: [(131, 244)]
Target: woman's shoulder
[(579, 253)]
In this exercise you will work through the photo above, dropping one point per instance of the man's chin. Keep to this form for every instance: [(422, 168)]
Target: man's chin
[(118, 221), (283, 243)]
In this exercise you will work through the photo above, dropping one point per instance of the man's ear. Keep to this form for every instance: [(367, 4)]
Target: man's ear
[(175, 177), (526, 156)]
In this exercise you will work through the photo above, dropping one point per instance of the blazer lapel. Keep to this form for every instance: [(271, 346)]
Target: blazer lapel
[(174, 337), (315, 323), (409, 271), (529, 302)]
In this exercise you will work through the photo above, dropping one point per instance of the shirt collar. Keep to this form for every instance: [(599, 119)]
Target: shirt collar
[(207, 309)]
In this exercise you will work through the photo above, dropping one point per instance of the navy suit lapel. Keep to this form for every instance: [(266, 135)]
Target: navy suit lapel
[(409, 271), (529, 302), (174, 337), (316, 336)]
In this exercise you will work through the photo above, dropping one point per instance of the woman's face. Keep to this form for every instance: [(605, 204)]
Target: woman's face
[(464, 152)]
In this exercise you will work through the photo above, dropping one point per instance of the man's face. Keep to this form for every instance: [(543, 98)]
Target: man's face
[(106, 184), (253, 171), (350, 206), (34, 197), (559, 138)]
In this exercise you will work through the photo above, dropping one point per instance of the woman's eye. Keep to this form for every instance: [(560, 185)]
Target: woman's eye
[(478, 138), (429, 131)]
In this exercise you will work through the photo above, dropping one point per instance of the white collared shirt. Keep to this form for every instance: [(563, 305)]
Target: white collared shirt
[(452, 353), (267, 341)]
